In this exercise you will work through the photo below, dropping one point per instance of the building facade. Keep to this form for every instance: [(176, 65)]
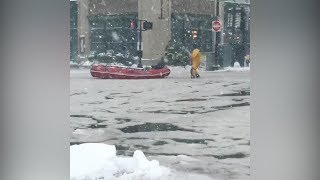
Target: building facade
[(73, 31), (104, 27), (235, 40)]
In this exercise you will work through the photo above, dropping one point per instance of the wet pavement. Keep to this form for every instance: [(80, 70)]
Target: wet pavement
[(206, 119)]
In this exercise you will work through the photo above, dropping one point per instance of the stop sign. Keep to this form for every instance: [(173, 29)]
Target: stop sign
[(216, 26)]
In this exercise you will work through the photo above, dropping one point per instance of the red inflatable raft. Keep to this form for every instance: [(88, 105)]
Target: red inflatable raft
[(119, 72)]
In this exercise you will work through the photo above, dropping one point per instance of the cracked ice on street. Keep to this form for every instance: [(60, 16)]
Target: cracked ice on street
[(206, 120)]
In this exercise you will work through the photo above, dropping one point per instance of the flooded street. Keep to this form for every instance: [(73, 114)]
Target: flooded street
[(190, 125)]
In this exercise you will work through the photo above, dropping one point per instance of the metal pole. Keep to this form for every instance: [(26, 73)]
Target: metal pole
[(139, 49), (217, 39), (214, 35), (161, 13), (214, 45), (222, 28)]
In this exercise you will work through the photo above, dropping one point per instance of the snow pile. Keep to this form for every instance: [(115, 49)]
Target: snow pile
[(236, 65), (135, 58), (116, 64), (73, 63), (111, 64), (101, 54), (134, 66), (119, 55), (92, 161), (235, 69), (86, 64)]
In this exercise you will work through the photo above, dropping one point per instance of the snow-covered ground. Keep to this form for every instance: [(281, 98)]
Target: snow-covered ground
[(199, 126)]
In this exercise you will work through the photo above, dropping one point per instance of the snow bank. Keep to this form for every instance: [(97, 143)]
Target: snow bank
[(73, 63), (236, 65), (234, 69), (92, 161), (85, 64)]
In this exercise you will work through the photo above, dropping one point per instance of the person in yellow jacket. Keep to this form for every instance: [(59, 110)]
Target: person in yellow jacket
[(195, 62)]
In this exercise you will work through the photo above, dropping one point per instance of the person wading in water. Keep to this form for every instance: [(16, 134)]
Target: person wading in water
[(195, 62)]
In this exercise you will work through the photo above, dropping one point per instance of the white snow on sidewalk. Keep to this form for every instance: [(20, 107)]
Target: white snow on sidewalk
[(86, 64), (93, 161), (234, 69)]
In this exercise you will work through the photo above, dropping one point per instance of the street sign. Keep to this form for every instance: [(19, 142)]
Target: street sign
[(216, 26)]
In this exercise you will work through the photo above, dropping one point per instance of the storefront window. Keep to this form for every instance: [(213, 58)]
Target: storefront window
[(112, 33), (184, 24)]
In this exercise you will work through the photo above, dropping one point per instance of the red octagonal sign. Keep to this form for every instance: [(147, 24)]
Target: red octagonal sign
[(216, 26)]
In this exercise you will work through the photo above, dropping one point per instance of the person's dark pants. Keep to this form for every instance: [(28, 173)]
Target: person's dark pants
[(247, 62)]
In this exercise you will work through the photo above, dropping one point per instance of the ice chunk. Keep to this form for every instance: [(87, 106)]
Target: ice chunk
[(90, 158), (93, 161)]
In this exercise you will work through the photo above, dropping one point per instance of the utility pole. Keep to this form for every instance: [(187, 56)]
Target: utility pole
[(213, 32)]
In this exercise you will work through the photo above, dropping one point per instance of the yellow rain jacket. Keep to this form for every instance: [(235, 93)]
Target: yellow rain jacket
[(196, 60)]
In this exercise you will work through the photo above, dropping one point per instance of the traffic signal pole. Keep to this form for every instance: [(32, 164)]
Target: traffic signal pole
[(146, 26), (214, 45), (139, 46), (214, 35)]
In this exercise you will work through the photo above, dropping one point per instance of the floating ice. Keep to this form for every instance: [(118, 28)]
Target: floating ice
[(91, 161)]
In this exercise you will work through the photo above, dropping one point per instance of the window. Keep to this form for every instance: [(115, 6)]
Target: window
[(112, 33), (230, 20)]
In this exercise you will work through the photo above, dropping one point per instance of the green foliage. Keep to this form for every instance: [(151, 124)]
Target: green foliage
[(177, 58)]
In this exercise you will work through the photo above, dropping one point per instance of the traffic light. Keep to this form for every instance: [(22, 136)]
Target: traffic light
[(147, 25), (194, 34), (132, 25)]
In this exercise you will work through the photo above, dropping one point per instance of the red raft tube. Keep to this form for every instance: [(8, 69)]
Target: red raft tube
[(120, 72)]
